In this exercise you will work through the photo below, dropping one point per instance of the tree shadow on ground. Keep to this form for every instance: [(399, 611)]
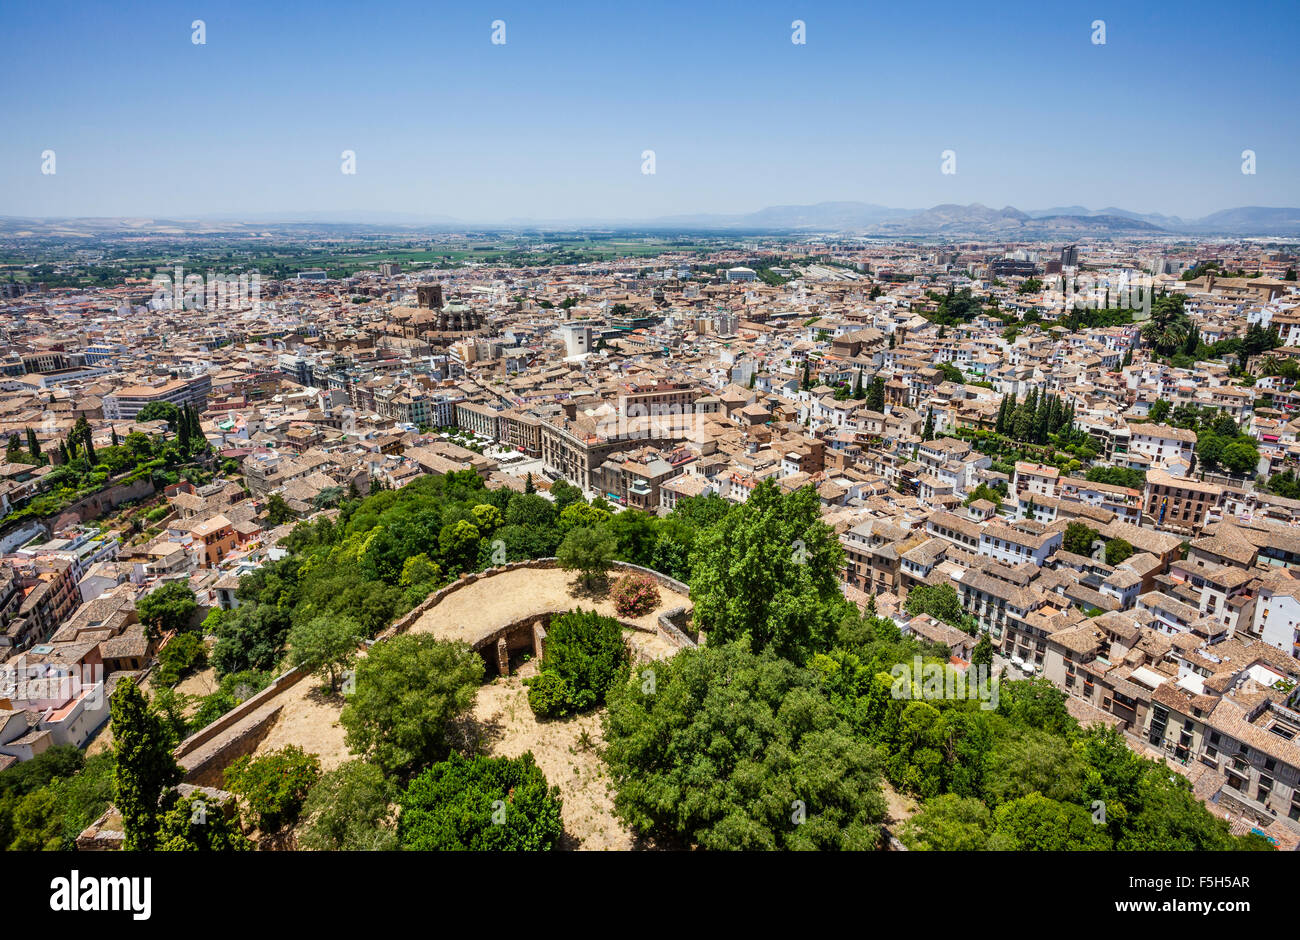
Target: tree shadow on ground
[(474, 736), (593, 589), (320, 694)]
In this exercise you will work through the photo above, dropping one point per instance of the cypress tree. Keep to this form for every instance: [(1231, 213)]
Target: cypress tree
[(144, 769), (876, 395), (33, 445)]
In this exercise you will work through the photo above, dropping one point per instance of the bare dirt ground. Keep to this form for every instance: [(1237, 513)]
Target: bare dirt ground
[(474, 612), (566, 751), (500, 724), (900, 807), (309, 718), (200, 683), (101, 741)]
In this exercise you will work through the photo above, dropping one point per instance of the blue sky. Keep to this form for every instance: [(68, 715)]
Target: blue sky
[(553, 123)]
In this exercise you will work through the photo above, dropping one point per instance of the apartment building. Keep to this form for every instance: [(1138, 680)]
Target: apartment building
[(124, 404), (1180, 504)]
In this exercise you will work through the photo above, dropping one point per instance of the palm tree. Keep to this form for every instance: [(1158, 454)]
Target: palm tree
[(1169, 326)]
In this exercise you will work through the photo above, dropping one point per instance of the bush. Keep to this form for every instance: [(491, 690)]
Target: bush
[(481, 804), (588, 551), (634, 595), (548, 696), (275, 784), (1117, 550), (170, 607), (583, 652), (700, 757), (183, 654), (348, 809), (191, 824), (235, 687)]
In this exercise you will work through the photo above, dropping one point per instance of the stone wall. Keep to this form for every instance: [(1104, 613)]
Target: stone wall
[(207, 752), (673, 624), (675, 632), (93, 506), (205, 767)]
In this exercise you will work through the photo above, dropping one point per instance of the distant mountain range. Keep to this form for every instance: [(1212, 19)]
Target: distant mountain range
[(864, 218), (1009, 222)]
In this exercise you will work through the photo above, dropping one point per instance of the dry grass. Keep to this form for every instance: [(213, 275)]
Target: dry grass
[(900, 807), (309, 718), (567, 751)]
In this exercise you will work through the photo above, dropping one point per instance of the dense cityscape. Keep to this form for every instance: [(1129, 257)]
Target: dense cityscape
[(690, 441), (1058, 478)]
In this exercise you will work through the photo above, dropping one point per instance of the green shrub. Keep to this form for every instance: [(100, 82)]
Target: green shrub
[(235, 687), (348, 809), (584, 651), (183, 654), (481, 804), (548, 696), (274, 785)]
